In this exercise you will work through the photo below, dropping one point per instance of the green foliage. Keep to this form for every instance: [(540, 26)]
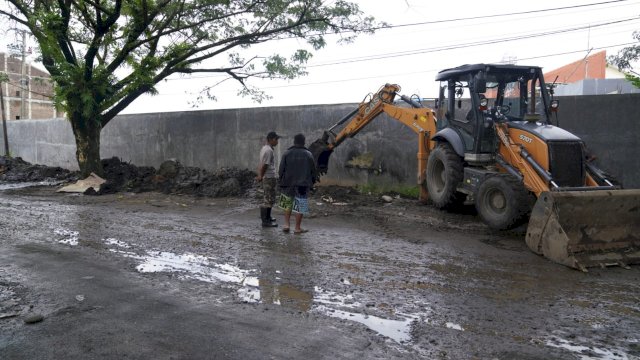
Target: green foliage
[(102, 55), (633, 80), (625, 59), (411, 192), (84, 44), (3, 77)]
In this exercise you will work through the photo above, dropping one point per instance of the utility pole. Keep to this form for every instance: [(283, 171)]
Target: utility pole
[(4, 121), (23, 82)]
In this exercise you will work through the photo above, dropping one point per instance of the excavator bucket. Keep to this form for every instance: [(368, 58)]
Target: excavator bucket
[(321, 153), (582, 229)]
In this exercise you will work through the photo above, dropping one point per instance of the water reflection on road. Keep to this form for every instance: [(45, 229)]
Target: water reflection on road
[(282, 280)]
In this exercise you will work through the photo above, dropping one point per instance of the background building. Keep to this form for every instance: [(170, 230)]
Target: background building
[(31, 98), (590, 76)]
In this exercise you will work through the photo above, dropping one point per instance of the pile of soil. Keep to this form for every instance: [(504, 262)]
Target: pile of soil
[(123, 176), (18, 170), (174, 178), (171, 178)]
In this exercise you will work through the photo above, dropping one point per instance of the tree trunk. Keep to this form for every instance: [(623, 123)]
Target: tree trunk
[(87, 134)]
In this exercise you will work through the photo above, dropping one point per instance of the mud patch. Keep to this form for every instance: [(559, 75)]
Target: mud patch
[(256, 290), (66, 236), (11, 303), (588, 351)]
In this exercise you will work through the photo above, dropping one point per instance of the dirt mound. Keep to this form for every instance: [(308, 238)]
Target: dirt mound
[(172, 177), (18, 170), (122, 176)]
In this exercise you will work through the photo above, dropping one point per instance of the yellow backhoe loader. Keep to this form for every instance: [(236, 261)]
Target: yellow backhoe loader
[(490, 139)]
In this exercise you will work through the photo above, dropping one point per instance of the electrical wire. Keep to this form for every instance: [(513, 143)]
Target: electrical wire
[(445, 48), (420, 71), (499, 15), (467, 45)]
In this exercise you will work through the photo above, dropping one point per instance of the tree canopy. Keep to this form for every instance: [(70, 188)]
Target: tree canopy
[(103, 54), (626, 57)]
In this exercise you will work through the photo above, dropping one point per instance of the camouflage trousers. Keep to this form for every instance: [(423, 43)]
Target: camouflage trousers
[(269, 192)]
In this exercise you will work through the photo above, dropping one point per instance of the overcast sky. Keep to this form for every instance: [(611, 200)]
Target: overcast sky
[(412, 55)]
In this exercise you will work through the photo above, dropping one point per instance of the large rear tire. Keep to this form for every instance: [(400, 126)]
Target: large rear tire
[(503, 202), (444, 174)]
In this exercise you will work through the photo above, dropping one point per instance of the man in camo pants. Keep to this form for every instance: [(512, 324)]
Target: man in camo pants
[(267, 175)]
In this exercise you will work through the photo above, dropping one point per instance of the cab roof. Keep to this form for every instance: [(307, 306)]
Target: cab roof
[(473, 68)]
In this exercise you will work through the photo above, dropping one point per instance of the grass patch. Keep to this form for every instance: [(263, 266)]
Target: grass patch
[(405, 191)]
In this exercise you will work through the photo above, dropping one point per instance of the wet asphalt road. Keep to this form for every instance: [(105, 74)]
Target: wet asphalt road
[(169, 277)]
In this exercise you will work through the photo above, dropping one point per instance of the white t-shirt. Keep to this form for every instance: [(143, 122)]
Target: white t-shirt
[(267, 157)]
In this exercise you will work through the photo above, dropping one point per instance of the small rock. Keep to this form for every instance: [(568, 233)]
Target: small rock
[(32, 319), (387, 198)]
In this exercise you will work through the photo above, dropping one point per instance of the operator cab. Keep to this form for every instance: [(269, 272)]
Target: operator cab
[(473, 97)]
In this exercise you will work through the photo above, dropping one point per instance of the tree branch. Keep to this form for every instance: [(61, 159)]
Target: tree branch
[(131, 44), (14, 18)]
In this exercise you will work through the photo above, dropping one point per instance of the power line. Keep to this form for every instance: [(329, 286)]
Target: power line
[(498, 15), (423, 71), (466, 45), (446, 48), (435, 70)]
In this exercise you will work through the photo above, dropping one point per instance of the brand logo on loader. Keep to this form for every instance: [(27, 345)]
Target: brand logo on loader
[(526, 139)]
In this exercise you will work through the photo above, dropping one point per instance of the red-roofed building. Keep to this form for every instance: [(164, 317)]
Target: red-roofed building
[(589, 76)]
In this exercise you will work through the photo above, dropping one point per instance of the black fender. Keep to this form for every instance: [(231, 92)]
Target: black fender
[(451, 136)]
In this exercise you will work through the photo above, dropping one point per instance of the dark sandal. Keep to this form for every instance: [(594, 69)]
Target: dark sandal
[(286, 230), (302, 231)]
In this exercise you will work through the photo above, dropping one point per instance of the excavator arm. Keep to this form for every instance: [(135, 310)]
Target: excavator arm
[(418, 118)]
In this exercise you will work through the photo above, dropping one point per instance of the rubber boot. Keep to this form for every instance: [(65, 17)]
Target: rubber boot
[(264, 215), (271, 218)]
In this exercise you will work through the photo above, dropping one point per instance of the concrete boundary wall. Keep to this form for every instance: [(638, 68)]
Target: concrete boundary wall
[(232, 138)]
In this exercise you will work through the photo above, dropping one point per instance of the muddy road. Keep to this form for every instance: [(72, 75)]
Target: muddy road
[(178, 277)]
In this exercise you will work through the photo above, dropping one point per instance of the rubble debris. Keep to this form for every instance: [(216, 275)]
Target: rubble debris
[(34, 318), (92, 182)]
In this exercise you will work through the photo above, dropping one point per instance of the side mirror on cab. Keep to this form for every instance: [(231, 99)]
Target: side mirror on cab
[(479, 83)]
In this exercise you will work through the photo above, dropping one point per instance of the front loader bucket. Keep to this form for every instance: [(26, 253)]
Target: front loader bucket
[(583, 229)]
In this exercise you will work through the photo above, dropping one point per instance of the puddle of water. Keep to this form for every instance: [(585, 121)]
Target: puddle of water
[(116, 242), (593, 352), (397, 330), (70, 237), (252, 289), (22, 185), (273, 292), (196, 267), (454, 326)]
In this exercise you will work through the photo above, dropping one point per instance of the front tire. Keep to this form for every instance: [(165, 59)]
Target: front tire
[(444, 174), (503, 202)]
